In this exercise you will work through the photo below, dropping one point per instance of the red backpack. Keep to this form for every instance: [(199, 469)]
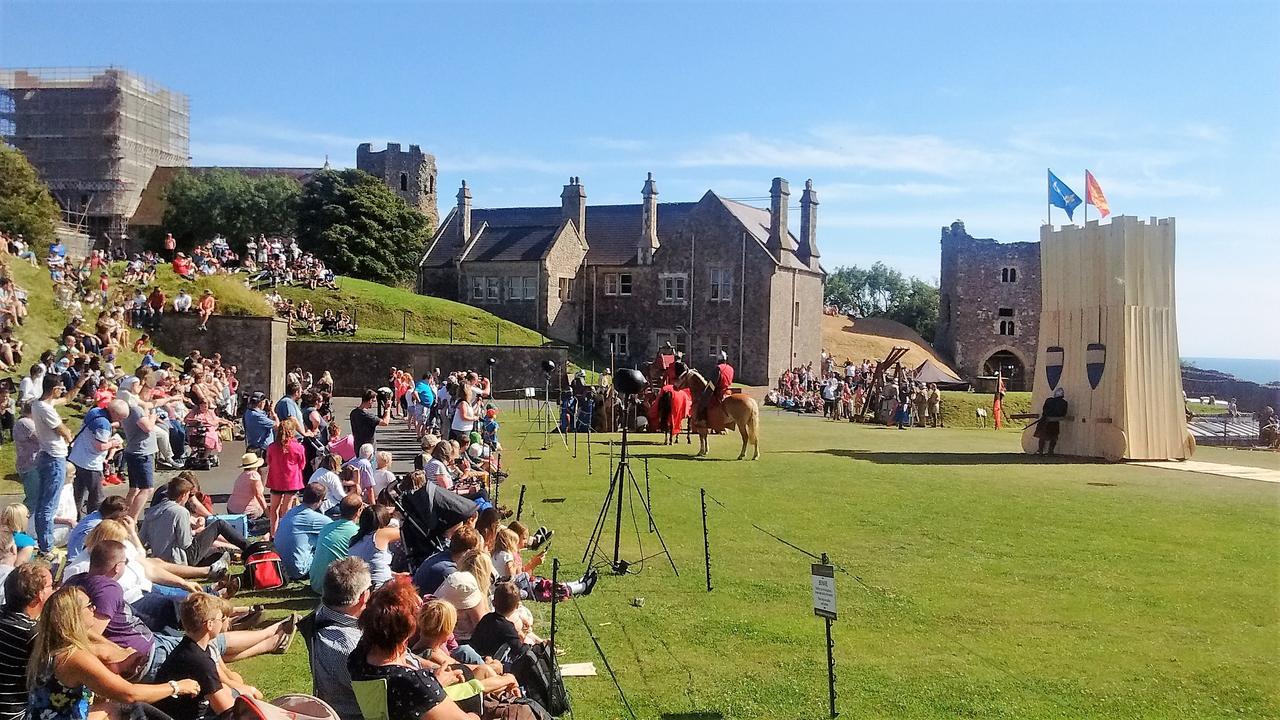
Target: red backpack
[(262, 568)]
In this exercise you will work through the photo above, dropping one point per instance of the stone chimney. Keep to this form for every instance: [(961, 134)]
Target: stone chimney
[(779, 236), (808, 250), (648, 222), (573, 205), (464, 212)]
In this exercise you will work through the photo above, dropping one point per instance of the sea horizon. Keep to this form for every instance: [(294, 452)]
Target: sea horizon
[(1253, 369)]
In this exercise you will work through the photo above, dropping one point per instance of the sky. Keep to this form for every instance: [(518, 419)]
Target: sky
[(906, 115)]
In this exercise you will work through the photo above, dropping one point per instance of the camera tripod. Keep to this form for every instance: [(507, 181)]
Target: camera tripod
[(613, 499), (547, 417)]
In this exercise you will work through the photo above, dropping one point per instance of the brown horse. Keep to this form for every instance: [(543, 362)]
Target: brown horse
[(739, 410)]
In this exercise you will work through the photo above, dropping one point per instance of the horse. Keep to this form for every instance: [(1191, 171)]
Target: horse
[(738, 410)]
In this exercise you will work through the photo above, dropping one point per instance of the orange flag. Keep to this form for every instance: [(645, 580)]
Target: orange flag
[(1093, 194)]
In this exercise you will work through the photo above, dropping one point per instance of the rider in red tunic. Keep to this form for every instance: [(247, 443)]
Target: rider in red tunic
[(725, 381)]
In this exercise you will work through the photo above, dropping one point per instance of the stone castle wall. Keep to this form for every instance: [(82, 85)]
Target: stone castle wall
[(973, 289), (255, 345), (418, 169), (356, 365)]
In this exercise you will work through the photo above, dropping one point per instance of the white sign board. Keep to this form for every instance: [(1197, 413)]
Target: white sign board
[(530, 392), (824, 590)]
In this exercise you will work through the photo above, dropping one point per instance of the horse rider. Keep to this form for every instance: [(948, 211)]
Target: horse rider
[(720, 389)]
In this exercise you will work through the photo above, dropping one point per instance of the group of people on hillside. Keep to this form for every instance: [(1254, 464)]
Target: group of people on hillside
[(303, 319)]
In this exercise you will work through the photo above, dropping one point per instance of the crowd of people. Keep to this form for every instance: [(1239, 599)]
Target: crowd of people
[(114, 601), (855, 391)]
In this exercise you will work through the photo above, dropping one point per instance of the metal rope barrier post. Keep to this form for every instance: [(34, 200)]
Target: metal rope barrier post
[(648, 500), (555, 587), (706, 538), (520, 504), (823, 579)]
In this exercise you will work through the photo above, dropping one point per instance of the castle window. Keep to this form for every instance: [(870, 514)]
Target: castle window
[(618, 342), (404, 182), (1005, 312), (717, 344), (521, 288), (1006, 327), (1009, 275), (530, 287), (566, 289), (617, 283), (673, 288), (677, 340), (431, 184), (492, 285), (477, 288), (721, 285), (795, 314)]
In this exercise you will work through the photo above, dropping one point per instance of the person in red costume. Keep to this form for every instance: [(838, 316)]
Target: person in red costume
[(725, 381)]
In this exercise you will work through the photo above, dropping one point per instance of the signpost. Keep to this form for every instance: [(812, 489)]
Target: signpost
[(823, 578)]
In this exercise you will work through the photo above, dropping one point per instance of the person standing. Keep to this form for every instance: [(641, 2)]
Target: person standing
[(89, 450), (26, 447), (935, 405), (54, 437), (140, 448), (364, 422), (206, 307), (287, 406), (285, 461), (1048, 427)]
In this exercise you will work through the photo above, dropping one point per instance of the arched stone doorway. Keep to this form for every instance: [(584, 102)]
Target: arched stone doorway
[(1010, 366)]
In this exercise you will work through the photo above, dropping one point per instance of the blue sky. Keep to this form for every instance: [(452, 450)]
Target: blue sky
[(907, 115)]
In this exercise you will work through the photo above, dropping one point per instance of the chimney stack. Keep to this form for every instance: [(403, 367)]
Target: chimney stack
[(573, 205), (779, 235), (648, 222), (808, 250), (464, 212)]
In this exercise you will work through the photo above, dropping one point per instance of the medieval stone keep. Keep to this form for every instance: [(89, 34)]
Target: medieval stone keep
[(707, 277), (410, 173), (989, 306)]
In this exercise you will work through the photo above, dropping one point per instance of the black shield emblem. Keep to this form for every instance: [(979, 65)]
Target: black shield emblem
[(1053, 365), (1095, 361)]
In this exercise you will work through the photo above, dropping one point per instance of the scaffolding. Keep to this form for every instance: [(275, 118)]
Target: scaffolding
[(95, 135)]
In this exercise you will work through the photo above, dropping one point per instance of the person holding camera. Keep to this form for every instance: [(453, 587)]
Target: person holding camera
[(365, 422), (51, 462)]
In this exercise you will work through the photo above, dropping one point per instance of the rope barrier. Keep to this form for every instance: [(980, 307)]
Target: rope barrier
[(612, 675)]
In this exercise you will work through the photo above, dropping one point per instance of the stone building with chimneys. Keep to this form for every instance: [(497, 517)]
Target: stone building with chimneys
[(708, 277)]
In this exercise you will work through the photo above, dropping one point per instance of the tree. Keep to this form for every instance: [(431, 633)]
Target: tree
[(882, 291), (359, 227), (26, 207), (231, 204)]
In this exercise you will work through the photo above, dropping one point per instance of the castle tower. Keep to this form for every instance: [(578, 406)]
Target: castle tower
[(411, 174)]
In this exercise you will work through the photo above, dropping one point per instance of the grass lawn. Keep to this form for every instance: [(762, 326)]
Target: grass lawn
[(992, 585)]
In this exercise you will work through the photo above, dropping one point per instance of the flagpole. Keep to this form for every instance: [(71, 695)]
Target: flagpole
[(1086, 197), (1048, 201)]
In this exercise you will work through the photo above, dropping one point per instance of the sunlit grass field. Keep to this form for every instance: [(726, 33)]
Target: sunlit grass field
[(980, 582)]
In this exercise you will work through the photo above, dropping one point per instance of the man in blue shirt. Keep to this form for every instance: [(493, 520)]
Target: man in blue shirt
[(89, 452), (258, 425), (113, 507), (295, 537), (287, 406)]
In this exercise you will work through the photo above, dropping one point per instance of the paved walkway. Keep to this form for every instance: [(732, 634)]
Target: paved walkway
[(1236, 471)]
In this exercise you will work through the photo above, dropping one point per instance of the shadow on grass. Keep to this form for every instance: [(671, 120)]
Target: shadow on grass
[(693, 716), (948, 458)]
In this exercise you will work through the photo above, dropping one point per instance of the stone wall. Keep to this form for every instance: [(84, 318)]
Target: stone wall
[(973, 289), (356, 366), (522, 312), (564, 260), (255, 345)]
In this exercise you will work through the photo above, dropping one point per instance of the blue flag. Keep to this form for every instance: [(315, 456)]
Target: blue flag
[(1062, 196)]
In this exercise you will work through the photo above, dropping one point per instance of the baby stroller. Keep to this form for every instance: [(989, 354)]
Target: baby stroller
[(203, 445)]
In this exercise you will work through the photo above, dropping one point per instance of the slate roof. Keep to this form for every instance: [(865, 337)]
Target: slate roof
[(516, 234)]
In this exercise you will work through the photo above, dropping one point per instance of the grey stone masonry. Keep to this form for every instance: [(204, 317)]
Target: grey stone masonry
[(989, 303), (411, 174)]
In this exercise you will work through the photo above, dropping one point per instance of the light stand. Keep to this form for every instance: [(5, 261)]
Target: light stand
[(628, 382), (546, 415)]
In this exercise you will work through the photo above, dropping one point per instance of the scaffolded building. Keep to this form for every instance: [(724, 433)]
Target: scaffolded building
[(94, 135)]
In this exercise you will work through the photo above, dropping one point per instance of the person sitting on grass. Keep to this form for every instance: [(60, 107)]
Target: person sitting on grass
[(25, 592), (432, 572), (436, 622), (414, 690), (299, 530), (124, 628), (248, 494), (15, 519), (167, 529), (334, 541), (497, 635), (326, 474), (372, 542), (112, 507), (67, 679), (203, 619)]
